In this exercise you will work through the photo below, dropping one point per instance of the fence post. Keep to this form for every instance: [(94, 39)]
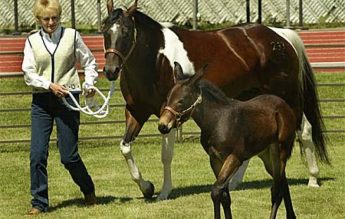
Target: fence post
[(180, 134), (300, 10), (248, 10), (72, 14), (99, 15), (195, 15), (16, 26), (287, 13), (259, 12)]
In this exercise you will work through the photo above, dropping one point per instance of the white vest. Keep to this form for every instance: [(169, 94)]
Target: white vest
[(58, 67)]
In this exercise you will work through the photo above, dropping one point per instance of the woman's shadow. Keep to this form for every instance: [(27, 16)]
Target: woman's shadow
[(79, 202)]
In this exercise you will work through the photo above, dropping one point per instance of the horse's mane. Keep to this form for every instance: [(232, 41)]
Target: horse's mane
[(212, 92), (145, 20), (140, 18)]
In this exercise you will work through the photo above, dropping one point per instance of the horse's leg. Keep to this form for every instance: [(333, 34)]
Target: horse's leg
[(308, 148), (220, 191), (132, 130), (238, 176), (168, 142)]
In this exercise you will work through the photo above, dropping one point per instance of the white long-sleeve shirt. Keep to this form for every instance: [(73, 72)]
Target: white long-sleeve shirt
[(82, 52)]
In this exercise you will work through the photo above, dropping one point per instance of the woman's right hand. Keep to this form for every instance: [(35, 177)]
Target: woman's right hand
[(58, 90)]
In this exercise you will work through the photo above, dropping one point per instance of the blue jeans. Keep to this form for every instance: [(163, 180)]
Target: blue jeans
[(47, 108)]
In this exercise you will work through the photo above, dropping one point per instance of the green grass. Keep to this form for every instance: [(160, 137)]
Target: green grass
[(119, 196)]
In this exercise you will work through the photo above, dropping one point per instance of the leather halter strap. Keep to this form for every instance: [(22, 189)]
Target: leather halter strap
[(115, 51), (189, 111)]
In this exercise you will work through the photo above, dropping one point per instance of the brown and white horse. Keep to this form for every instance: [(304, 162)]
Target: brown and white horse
[(244, 61)]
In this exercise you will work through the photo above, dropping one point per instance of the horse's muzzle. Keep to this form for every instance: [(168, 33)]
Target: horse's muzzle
[(164, 129), (111, 75)]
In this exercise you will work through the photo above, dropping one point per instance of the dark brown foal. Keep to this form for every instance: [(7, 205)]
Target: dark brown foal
[(233, 131)]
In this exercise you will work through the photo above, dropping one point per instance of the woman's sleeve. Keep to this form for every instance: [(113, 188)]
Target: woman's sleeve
[(86, 60)]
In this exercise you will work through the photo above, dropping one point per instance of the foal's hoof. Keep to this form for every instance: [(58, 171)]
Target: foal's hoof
[(148, 190)]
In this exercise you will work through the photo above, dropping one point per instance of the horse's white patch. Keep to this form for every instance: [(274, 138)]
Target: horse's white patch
[(166, 24), (114, 33), (296, 43), (174, 51), (287, 34)]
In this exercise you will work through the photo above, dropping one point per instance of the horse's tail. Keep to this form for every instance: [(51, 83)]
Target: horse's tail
[(311, 109), (309, 95), (310, 99)]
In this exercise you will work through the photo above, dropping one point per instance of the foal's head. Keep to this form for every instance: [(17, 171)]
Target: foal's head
[(182, 99), (119, 38)]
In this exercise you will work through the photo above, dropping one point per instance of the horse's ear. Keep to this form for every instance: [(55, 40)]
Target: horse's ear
[(132, 9), (178, 72), (110, 6), (198, 75)]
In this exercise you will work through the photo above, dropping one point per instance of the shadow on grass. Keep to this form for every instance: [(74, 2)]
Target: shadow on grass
[(185, 191), (256, 184), (79, 202)]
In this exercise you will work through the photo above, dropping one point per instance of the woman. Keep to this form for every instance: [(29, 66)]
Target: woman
[(50, 57)]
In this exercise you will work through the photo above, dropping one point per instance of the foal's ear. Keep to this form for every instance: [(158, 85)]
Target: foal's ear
[(198, 75), (110, 6), (178, 72)]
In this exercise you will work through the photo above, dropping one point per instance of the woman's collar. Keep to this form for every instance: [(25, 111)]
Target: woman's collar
[(55, 35)]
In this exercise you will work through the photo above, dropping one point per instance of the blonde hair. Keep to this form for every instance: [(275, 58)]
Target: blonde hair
[(42, 7)]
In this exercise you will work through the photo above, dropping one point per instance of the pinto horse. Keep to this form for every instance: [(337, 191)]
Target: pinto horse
[(233, 131), (244, 61)]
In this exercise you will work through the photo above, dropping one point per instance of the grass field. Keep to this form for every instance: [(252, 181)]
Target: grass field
[(119, 197)]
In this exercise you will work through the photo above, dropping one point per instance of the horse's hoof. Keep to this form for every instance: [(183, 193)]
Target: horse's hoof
[(313, 182), (163, 196), (149, 190)]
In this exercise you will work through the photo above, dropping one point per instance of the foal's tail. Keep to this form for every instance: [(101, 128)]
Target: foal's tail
[(310, 98)]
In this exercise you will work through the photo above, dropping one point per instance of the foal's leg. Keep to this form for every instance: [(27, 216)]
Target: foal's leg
[(308, 147), (290, 214), (238, 176), (220, 192), (271, 159), (287, 145), (168, 142)]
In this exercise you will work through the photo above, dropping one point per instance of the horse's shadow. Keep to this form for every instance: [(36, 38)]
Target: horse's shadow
[(79, 202), (184, 191), (256, 184)]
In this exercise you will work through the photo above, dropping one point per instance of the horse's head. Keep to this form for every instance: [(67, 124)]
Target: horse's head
[(119, 38), (182, 100)]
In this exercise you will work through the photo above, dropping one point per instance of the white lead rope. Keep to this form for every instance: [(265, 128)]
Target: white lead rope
[(101, 112)]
